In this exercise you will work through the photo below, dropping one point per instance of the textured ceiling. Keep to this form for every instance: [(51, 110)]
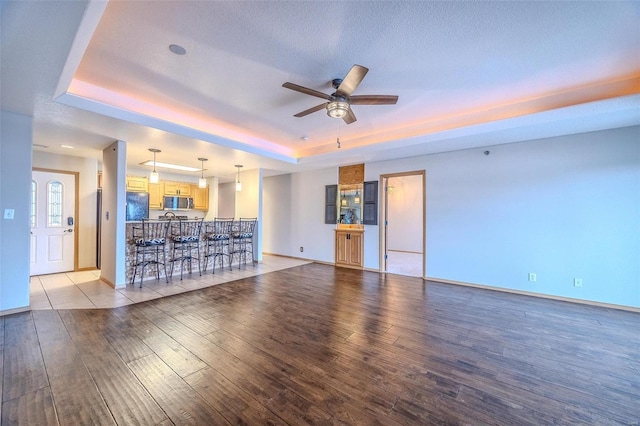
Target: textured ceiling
[(467, 74)]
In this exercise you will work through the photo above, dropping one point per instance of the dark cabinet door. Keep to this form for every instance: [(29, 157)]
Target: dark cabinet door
[(330, 208), (370, 203)]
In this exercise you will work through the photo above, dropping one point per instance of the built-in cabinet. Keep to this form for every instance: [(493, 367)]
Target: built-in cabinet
[(349, 248), (350, 205), (137, 184)]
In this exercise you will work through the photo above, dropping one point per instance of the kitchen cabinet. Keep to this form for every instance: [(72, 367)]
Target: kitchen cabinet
[(137, 184), (155, 196), (177, 188), (350, 248), (200, 197)]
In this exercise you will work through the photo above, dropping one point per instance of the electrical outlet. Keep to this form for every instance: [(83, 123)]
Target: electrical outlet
[(301, 249), (577, 282), (532, 276)]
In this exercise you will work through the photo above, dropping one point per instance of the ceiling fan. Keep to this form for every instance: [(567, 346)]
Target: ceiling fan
[(339, 103)]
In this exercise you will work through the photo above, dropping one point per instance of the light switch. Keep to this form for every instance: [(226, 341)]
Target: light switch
[(8, 213)]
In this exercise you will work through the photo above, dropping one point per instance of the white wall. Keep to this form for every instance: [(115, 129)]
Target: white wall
[(15, 189), (404, 204), (227, 200), (113, 231), (87, 169), (294, 215), (249, 205), (212, 213), (564, 208)]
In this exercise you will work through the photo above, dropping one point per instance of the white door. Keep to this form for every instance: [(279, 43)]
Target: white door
[(53, 199)]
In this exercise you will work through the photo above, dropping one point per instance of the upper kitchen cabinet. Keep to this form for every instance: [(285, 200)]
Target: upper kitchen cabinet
[(155, 195), (137, 184), (200, 197), (177, 188)]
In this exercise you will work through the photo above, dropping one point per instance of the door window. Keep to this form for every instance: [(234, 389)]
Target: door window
[(54, 204), (34, 193)]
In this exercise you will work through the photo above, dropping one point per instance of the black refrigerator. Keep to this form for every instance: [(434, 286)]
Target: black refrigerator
[(137, 208), (137, 205)]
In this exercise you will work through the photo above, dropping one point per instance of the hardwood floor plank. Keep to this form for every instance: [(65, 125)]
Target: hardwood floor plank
[(75, 394), (316, 344), (34, 408), (176, 356), (295, 410), (237, 406), (180, 402), (303, 377), (23, 366), (128, 401)]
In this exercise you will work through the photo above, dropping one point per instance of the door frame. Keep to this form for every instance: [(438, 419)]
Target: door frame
[(384, 212), (76, 206)]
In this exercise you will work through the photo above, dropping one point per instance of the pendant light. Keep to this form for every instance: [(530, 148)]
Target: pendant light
[(202, 182), (154, 177), (356, 199), (238, 184), (343, 201)]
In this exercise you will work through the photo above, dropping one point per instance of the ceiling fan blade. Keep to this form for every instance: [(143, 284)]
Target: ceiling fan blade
[(351, 80), (350, 117), (306, 90), (373, 100), (310, 110)]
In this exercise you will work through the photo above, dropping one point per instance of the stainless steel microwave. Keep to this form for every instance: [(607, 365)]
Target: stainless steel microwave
[(178, 203)]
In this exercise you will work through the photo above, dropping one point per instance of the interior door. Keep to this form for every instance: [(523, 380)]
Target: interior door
[(53, 222)]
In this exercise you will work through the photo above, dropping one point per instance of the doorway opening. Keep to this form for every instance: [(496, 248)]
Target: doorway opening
[(403, 230)]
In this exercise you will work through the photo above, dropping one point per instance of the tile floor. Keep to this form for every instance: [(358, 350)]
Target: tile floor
[(78, 290), (404, 263)]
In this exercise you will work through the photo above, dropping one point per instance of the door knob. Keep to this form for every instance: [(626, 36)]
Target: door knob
[(68, 230)]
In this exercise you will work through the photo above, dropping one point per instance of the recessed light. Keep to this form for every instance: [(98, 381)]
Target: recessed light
[(177, 49), (66, 146), (305, 138), (39, 145)]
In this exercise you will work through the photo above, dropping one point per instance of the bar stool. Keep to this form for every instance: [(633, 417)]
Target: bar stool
[(242, 239), (149, 239), (185, 239), (216, 237)]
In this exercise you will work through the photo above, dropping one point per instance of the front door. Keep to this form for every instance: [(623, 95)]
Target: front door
[(53, 222)]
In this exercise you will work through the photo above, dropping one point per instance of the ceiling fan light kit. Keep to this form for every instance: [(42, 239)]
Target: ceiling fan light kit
[(337, 109), (339, 103)]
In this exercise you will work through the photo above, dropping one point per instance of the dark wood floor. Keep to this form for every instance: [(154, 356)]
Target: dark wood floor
[(320, 345)]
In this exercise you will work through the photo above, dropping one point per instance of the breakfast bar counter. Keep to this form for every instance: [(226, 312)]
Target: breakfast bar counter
[(177, 262)]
